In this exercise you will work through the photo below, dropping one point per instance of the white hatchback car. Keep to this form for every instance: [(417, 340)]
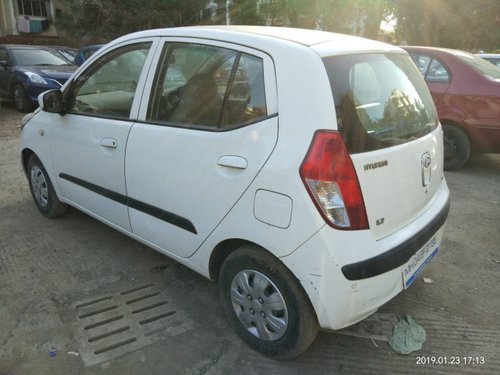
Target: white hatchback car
[(302, 169)]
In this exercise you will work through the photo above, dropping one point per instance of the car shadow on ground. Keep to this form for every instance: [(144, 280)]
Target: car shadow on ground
[(482, 164)]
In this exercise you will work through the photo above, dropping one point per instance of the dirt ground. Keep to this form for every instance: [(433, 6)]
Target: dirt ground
[(54, 274)]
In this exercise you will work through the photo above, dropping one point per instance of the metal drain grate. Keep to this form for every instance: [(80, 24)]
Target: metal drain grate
[(111, 325)]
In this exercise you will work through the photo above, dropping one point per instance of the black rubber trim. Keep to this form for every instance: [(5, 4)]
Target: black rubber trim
[(117, 197), (163, 215), (397, 256), (169, 217)]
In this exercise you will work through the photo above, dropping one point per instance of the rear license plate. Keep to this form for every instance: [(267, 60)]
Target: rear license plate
[(418, 261)]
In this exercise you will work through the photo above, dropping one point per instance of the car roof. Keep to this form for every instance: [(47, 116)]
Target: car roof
[(321, 41), (436, 49)]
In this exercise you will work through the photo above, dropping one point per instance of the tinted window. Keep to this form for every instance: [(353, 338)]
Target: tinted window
[(430, 68), (421, 61), (380, 100), (108, 87), (246, 99), (207, 86), (30, 57)]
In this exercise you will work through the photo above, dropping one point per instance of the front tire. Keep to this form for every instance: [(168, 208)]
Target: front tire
[(266, 304), (457, 147), (20, 99), (42, 190)]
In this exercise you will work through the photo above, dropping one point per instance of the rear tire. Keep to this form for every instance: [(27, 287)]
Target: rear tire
[(266, 304), (457, 147), (42, 190)]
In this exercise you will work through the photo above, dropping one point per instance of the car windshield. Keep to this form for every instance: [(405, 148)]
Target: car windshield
[(68, 54), (381, 100), (31, 57), (480, 65)]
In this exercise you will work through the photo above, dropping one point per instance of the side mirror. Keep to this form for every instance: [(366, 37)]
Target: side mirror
[(52, 101)]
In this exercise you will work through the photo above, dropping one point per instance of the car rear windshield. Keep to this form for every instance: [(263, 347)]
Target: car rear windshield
[(381, 100), (480, 65)]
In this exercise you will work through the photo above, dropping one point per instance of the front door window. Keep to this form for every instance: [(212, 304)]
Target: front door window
[(108, 88)]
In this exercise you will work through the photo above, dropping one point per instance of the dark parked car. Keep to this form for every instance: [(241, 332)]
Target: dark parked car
[(85, 52), (466, 92), (27, 71)]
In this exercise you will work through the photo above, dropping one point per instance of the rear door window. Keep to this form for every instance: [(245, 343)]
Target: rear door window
[(207, 87), (437, 73), (433, 70), (381, 100)]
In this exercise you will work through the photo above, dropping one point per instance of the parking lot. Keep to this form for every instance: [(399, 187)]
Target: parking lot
[(56, 276)]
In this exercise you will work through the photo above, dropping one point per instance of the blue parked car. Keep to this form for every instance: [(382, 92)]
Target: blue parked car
[(27, 71), (85, 52)]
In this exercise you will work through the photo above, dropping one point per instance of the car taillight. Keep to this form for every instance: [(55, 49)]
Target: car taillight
[(329, 176)]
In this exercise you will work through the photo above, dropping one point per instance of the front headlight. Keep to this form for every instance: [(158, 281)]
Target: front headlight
[(36, 78)]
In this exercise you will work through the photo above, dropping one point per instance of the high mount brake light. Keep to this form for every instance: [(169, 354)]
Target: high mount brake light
[(330, 178)]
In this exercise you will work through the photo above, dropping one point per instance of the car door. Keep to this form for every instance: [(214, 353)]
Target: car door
[(208, 127), (88, 143)]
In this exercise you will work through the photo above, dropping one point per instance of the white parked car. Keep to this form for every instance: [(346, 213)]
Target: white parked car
[(301, 169)]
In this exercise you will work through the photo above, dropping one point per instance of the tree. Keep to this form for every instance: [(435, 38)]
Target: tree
[(461, 24), (102, 20)]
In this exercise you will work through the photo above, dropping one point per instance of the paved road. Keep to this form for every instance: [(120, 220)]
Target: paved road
[(65, 284)]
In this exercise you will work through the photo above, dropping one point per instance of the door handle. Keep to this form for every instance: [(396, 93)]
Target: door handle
[(109, 142), (233, 161)]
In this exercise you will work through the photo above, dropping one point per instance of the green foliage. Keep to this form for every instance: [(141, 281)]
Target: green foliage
[(462, 24), (102, 20)]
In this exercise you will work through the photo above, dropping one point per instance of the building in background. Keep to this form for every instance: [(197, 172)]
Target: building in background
[(30, 17)]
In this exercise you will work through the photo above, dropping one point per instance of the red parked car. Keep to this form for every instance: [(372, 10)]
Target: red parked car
[(466, 92)]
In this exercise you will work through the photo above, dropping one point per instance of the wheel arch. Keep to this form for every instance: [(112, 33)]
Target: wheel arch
[(222, 251), (11, 84), (25, 156), (16, 79), (463, 128)]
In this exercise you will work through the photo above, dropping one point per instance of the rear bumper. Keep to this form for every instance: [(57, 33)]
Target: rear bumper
[(398, 255), (349, 275)]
